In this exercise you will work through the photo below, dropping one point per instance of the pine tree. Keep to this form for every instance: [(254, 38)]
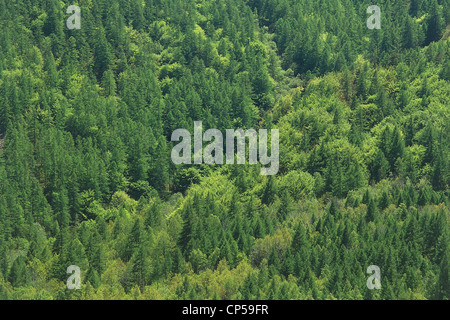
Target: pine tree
[(300, 239), (380, 167), (3, 257), (19, 275), (284, 205), (371, 211), (269, 192), (410, 39), (109, 83), (187, 236), (415, 7), (93, 278), (440, 174), (139, 267), (397, 148), (443, 285), (384, 201), (435, 23), (274, 260), (133, 241)]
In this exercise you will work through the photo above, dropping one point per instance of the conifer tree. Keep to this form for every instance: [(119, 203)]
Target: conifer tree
[(19, 275)]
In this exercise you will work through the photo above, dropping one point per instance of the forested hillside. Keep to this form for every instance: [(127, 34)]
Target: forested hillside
[(86, 176)]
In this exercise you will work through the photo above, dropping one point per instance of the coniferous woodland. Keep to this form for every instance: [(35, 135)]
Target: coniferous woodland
[(86, 176)]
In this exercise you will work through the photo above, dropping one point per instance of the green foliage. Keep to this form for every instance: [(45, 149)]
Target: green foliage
[(86, 177)]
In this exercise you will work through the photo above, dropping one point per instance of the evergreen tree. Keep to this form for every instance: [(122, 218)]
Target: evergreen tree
[(435, 23), (19, 275)]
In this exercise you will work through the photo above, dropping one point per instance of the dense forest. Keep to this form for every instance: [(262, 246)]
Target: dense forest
[(86, 176)]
